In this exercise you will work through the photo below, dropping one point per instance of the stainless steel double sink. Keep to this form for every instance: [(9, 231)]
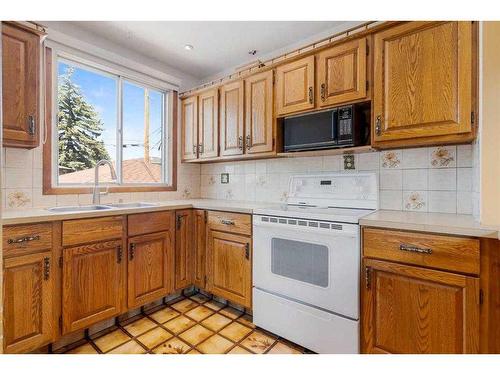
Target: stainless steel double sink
[(99, 207)]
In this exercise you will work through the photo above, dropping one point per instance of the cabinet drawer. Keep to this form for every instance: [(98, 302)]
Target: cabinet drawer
[(443, 252), (82, 231), (150, 222), (230, 222), (26, 239)]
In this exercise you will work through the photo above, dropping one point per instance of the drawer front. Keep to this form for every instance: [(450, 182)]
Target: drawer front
[(150, 222), (26, 239), (443, 252), (75, 232), (230, 222)]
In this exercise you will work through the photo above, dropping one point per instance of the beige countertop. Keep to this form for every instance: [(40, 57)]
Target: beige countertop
[(462, 225), (22, 216)]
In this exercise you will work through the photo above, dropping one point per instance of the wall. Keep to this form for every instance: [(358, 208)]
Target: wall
[(434, 179), (2, 173), (489, 152)]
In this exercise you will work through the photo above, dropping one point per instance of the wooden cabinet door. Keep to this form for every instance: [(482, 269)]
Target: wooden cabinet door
[(295, 86), (150, 267), (230, 267), (92, 284), (29, 320), (20, 85), (342, 73), (231, 119), (200, 243), (208, 124), (422, 81), (259, 131), (189, 128), (184, 251), (414, 310)]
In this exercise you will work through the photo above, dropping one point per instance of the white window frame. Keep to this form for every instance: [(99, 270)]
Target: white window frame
[(120, 75)]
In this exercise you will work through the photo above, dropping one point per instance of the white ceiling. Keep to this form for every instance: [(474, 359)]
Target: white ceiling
[(218, 45)]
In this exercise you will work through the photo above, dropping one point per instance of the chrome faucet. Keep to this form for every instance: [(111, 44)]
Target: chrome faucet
[(96, 195)]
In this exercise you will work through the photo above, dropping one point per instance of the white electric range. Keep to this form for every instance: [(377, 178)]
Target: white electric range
[(306, 261)]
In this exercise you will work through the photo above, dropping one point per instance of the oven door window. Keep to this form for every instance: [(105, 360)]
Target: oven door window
[(302, 261)]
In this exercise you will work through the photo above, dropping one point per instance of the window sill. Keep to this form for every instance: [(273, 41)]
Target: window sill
[(114, 189)]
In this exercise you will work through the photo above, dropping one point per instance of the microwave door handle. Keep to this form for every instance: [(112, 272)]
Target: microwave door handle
[(335, 125)]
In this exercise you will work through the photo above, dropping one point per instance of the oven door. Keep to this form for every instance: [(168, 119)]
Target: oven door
[(312, 262)]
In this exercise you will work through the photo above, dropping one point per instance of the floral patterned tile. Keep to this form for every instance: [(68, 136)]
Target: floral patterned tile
[(391, 159), (215, 345), (258, 342), (173, 346), (443, 157), (415, 200)]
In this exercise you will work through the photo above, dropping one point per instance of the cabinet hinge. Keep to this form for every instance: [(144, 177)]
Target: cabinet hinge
[(179, 221), (60, 262), (481, 296), (247, 250), (472, 118)]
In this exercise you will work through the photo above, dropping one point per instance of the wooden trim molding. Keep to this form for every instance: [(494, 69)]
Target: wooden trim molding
[(49, 189)]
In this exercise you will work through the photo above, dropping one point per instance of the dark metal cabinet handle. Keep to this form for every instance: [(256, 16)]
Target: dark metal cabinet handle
[(311, 98), (378, 125), (200, 148), (368, 276), (247, 251), (194, 149), (46, 268), (240, 142), (132, 251), (323, 92), (179, 221), (227, 222), (119, 254), (31, 125), (414, 249), (22, 239), (249, 141)]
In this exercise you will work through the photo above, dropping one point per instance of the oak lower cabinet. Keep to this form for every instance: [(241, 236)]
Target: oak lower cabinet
[(184, 241), (29, 292), (93, 284), (423, 84), (150, 267), (414, 310), (199, 246), (20, 83), (229, 261)]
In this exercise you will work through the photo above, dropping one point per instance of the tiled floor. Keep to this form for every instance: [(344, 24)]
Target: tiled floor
[(192, 325)]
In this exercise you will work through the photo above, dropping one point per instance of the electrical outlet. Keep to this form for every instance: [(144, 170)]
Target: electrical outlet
[(224, 178), (349, 162)]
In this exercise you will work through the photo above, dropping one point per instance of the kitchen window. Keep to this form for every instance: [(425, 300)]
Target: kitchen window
[(101, 114)]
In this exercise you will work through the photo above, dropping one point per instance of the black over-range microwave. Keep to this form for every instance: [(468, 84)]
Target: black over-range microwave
[(338, 127)]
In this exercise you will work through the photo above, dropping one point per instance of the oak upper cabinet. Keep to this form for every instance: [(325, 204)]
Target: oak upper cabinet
[(29, 290), (231, 118), (20, 85), (259, 127), (415, 310), (184, 241), (199, 246), (208, 124), (93, 284), (189, 128), (295, 86), (229, 257), (342, 73), (422, 90), (150, 267)]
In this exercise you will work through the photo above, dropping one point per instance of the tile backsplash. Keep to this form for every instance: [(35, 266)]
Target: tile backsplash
[(431, 179), (22, 184)]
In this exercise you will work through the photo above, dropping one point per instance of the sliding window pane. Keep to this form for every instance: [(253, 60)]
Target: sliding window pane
[(86, 122), (142, 160)]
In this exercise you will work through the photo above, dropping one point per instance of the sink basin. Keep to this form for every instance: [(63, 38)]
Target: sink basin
[(79, 208), (133, 205)]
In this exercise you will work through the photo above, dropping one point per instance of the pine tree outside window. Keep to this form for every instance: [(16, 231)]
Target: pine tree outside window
[(101, 115)]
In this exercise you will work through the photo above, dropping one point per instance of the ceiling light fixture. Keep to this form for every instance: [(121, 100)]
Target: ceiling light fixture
[(188, 47)]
